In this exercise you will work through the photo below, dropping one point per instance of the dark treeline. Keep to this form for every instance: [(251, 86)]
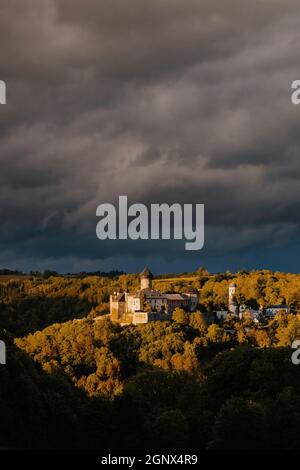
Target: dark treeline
[(88, 384)]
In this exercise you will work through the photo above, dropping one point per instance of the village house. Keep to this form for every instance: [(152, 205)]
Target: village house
[(272, 310)]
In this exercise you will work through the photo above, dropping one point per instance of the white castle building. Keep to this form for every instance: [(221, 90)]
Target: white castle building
[(148, 304)]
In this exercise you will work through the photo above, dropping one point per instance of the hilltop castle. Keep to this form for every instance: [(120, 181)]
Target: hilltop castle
[(147, 304)]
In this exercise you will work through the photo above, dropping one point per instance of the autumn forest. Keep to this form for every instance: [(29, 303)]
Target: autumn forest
[(76, 380)]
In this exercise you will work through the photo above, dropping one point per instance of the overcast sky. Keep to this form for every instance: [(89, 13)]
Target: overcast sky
[(161, 100)]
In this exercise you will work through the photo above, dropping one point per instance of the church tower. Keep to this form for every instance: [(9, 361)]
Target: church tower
[(146, 279), (232, 306)]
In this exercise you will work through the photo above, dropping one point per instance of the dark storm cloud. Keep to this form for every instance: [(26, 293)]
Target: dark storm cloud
[(162, 100)]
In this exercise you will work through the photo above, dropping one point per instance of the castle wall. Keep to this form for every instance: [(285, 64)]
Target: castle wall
[(117, 309), (133, 303)]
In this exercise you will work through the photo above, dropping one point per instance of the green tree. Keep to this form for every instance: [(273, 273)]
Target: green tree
[(198, 322), (239, 425), (286, 334), (169, 430), (180, 316)]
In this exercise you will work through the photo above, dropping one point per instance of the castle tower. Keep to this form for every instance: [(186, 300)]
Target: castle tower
[(232, 306), (117, 305), (146, 279)]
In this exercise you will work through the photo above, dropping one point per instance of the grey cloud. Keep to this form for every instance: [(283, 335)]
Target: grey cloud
[(161, 100)]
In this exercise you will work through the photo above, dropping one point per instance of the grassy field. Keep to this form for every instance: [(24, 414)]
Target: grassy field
[(177, 279), (8, 277)]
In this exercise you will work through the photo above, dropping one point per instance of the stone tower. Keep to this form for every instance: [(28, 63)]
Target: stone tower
[(146, 279), (232, 306)]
